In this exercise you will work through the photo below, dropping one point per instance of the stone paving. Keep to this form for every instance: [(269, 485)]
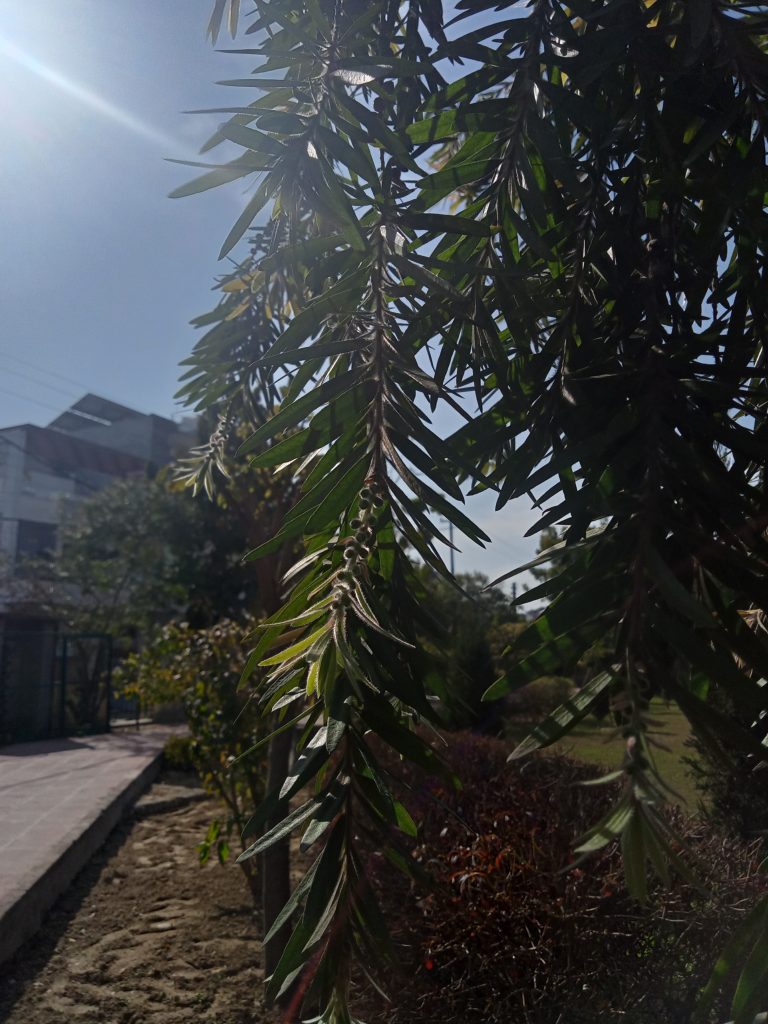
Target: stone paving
[(59, 800)]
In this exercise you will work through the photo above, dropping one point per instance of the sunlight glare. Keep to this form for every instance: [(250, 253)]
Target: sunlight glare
[(85, 96)]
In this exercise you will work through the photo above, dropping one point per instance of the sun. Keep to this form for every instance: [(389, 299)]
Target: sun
[(16, 62)]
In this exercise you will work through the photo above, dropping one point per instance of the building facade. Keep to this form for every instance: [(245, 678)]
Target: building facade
[(45, 470), (44, 473)]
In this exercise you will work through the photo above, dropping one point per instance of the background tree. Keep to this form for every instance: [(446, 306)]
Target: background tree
[(599, 290), (141, 552), (546, 569), (460, 641), (120, 563), (249, 502)]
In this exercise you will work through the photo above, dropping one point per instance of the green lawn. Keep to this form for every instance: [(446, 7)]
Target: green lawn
[(596, 743)]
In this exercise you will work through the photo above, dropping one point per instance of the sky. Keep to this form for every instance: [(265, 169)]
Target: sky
[(100, 271)]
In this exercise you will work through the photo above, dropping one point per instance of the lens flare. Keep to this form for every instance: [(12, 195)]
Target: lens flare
[(84, 95)]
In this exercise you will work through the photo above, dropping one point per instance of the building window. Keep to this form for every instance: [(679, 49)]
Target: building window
[(35, 540)]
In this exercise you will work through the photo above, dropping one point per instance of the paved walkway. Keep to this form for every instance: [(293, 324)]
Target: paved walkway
[(59, 800)]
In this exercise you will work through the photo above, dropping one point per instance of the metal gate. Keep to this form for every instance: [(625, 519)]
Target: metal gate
[(53, 684)]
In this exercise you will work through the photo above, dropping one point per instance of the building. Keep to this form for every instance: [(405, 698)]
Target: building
[(154, 439), (87, 447), (44, 471)]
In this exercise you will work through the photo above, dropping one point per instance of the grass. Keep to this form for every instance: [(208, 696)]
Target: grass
[(596, 742)]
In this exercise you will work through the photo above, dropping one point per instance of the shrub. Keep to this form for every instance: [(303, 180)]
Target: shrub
[(502, 639), (507, 935), (202, 669), (540, 697), (177, 754), (734, 791)]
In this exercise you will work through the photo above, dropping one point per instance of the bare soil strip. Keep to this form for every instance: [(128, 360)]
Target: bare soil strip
[(144, 935)]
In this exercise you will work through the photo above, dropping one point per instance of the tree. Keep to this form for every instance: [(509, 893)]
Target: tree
[(545, 570), (119, 566), (459, 644), (229, 387), (139, 552), (597, 289)]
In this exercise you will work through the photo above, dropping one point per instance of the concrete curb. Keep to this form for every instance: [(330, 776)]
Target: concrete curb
[(25, 916)]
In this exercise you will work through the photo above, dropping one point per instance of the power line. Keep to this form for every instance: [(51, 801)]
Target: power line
[(26, 398), (41, 383), (43, 369), (68, 380), (69, 394)]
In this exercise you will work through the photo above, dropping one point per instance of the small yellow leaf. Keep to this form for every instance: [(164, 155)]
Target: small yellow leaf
[(238, 285), (238, 310), (312, 677), (297, 649)]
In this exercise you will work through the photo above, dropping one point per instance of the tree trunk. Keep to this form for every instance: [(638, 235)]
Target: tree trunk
[(275, 862), (253, 878)]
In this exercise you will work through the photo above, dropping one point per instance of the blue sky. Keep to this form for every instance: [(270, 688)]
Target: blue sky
[(101, 272)]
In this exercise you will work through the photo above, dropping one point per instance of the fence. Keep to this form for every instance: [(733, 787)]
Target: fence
[(53, 684)]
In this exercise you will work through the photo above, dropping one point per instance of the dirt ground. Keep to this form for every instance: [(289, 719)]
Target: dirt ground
[(144, 935)]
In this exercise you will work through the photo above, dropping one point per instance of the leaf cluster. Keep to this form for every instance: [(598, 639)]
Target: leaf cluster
[(557, 214)]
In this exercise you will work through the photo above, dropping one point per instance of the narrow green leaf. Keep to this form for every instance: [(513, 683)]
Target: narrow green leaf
[(341, 496), (610, 828), (342, 299), (298, 648), (744, 937), (323, 922), (234, 13), (297, 410), (289, 724), (251, 138), (442, 223), (221, 174), (254, 206), (284, 828), (217, 16), (404, 821), (633, 855), (752, 988), (671, 588), (562, 720), (293, 901)]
